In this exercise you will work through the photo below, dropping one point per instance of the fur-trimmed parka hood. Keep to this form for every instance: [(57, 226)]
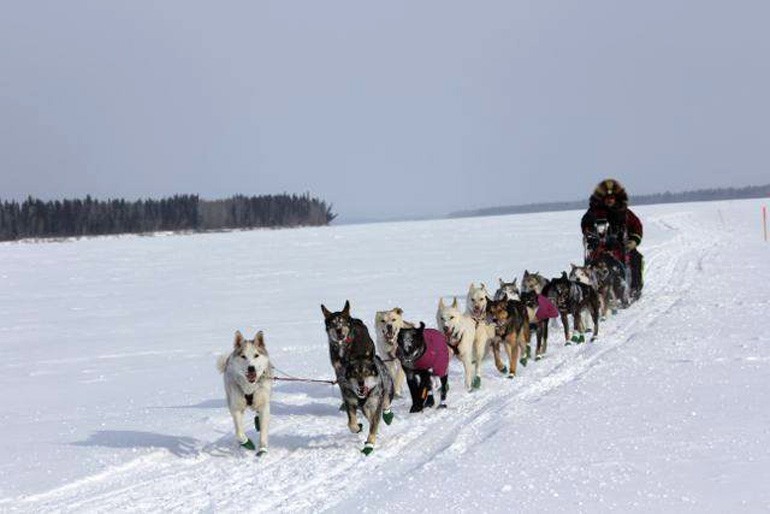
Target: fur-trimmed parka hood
[(610, 187)]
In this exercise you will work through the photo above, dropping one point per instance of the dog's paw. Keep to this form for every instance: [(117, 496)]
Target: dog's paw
[(476, 384), (262, 451), (523, 362), (256, 422), (594, 338), (538, 357), (504, 370), (415, 408), (387, 416), (248, 444), (512, 375), (429, 402), (368, 449), (442, 405)]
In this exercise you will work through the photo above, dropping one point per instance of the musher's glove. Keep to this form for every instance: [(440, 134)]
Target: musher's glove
[(630, 245)]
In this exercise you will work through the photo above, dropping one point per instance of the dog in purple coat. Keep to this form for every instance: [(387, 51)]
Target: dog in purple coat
[(424, 353)]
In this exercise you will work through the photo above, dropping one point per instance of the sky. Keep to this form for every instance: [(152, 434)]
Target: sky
[(386, 110)]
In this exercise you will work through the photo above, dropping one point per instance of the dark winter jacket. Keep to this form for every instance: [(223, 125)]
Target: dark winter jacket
[(623, 222)]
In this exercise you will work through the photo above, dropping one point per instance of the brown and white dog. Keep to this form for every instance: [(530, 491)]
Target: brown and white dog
[(511, 323), (476, 308), (388, 324)]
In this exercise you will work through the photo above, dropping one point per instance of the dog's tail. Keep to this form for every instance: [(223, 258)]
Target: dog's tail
[(222, 363)]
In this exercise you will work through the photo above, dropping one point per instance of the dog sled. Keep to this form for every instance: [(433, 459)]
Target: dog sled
[(609, 245)]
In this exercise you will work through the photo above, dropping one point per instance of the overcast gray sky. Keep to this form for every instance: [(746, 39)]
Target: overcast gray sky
[(385, 109)]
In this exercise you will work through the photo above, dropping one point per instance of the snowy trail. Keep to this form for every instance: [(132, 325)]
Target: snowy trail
[(314, 463)]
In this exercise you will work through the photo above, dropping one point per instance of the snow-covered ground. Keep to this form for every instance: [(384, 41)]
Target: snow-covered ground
[(111, 400)]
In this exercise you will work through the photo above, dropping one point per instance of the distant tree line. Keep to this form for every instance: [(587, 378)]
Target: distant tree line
[(700, 195), (67, 218)]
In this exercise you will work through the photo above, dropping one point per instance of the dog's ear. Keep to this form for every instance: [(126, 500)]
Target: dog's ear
[(526, 273), (421, 328), (238, 340), (514, 282), (346, 309), (471, 287), (260, 339), (563, 275), (483, 286), (502, 282), (441, 305), (326, 311), (454, 303), (573, 266), (399, 311)]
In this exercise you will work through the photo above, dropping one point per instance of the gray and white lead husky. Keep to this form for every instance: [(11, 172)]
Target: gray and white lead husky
[(248, 383), (368, 387)]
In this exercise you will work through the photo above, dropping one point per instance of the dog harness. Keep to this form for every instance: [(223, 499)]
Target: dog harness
[(575, 293), (436, 356)]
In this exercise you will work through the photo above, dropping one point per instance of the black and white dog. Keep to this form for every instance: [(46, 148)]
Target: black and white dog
[(364, 381), (507, 290), (611, 281), (533, 282), (424, 353), (531, 302), (572, 298), (368, 387), (344, 332)]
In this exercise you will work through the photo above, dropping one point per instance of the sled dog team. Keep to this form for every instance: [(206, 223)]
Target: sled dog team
[(370, 375)]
